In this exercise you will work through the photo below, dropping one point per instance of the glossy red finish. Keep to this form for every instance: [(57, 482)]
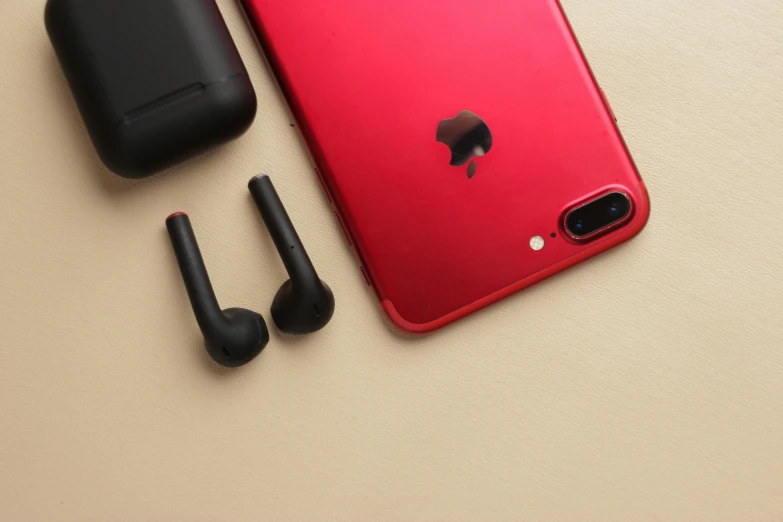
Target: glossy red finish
[(370, 80)]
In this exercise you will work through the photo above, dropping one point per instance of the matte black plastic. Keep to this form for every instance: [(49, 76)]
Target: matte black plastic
[(304, 304), (156, 81), (233, 337)]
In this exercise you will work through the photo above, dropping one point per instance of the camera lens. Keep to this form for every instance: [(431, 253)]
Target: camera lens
[(598, 215)]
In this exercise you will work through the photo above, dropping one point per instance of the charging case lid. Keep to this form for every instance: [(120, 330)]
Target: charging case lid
[(156, 81)]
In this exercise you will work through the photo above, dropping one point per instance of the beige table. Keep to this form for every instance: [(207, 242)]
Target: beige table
[(644, 385)]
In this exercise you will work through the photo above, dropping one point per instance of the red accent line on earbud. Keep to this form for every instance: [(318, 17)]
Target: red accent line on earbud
[(175, 214)]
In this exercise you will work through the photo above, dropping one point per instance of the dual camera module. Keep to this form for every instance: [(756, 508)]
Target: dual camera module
[(589, 220), (598, 215)]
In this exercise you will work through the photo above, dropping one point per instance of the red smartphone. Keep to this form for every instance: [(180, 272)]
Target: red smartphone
[(466, 147)]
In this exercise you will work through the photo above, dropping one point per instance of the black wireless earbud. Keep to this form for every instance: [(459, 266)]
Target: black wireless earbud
[(304, 304), (233, 337)]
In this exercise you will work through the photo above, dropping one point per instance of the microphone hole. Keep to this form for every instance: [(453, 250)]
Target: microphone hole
[(317, 311), (225, 351)]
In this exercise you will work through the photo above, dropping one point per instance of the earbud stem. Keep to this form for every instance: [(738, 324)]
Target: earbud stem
[(297, 263), (194, 272)]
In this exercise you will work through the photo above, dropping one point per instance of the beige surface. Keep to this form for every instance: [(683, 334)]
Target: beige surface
[(645, 385)]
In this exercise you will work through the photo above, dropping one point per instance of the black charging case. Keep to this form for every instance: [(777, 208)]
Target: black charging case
[(156, 81)]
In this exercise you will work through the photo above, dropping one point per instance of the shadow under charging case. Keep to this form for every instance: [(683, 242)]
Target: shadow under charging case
[(156, 81)]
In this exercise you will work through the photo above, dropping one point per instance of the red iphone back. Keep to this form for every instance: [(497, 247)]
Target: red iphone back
[(449, 133)]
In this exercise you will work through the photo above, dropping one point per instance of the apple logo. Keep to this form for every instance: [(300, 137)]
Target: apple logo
[(467, 136)]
